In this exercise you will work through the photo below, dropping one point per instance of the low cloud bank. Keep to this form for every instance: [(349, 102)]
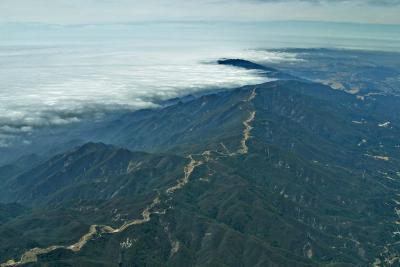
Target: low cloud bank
[(49, 86)]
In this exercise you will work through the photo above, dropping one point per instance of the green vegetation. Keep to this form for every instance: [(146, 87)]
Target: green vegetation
[(308, 192)]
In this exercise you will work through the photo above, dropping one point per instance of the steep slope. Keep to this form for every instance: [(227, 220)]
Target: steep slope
[(288, 173), (95, 183), (18, 166), (153, 209), (75, 172), (187, 126)]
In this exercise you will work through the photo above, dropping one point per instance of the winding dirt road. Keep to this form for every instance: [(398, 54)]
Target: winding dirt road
[(32, 254)]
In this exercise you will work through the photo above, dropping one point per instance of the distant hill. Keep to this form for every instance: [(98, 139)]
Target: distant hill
[(270, 72)]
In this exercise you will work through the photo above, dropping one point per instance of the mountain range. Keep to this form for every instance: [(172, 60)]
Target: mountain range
[(285, 173)]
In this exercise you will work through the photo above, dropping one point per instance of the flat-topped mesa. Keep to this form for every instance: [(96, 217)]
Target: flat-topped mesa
[(248, 65), (241, 63)]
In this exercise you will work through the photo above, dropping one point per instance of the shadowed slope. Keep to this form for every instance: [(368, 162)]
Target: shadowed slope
[(274, 175)]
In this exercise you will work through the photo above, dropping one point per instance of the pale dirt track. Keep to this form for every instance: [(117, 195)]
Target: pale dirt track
[(32, 254)]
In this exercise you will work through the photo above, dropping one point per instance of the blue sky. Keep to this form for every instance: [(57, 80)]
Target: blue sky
[(107, 11)]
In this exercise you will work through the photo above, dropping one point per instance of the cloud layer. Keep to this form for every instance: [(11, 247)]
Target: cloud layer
[(42, 86), (55, 75)]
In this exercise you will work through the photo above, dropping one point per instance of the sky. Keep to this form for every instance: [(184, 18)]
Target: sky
[(64, 61), (111, 11)]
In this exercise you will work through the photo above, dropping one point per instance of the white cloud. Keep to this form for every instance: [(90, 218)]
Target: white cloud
[(42, 86)]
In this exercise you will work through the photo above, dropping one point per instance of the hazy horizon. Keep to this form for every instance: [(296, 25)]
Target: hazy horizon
[(106, 11), (58, 74)]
